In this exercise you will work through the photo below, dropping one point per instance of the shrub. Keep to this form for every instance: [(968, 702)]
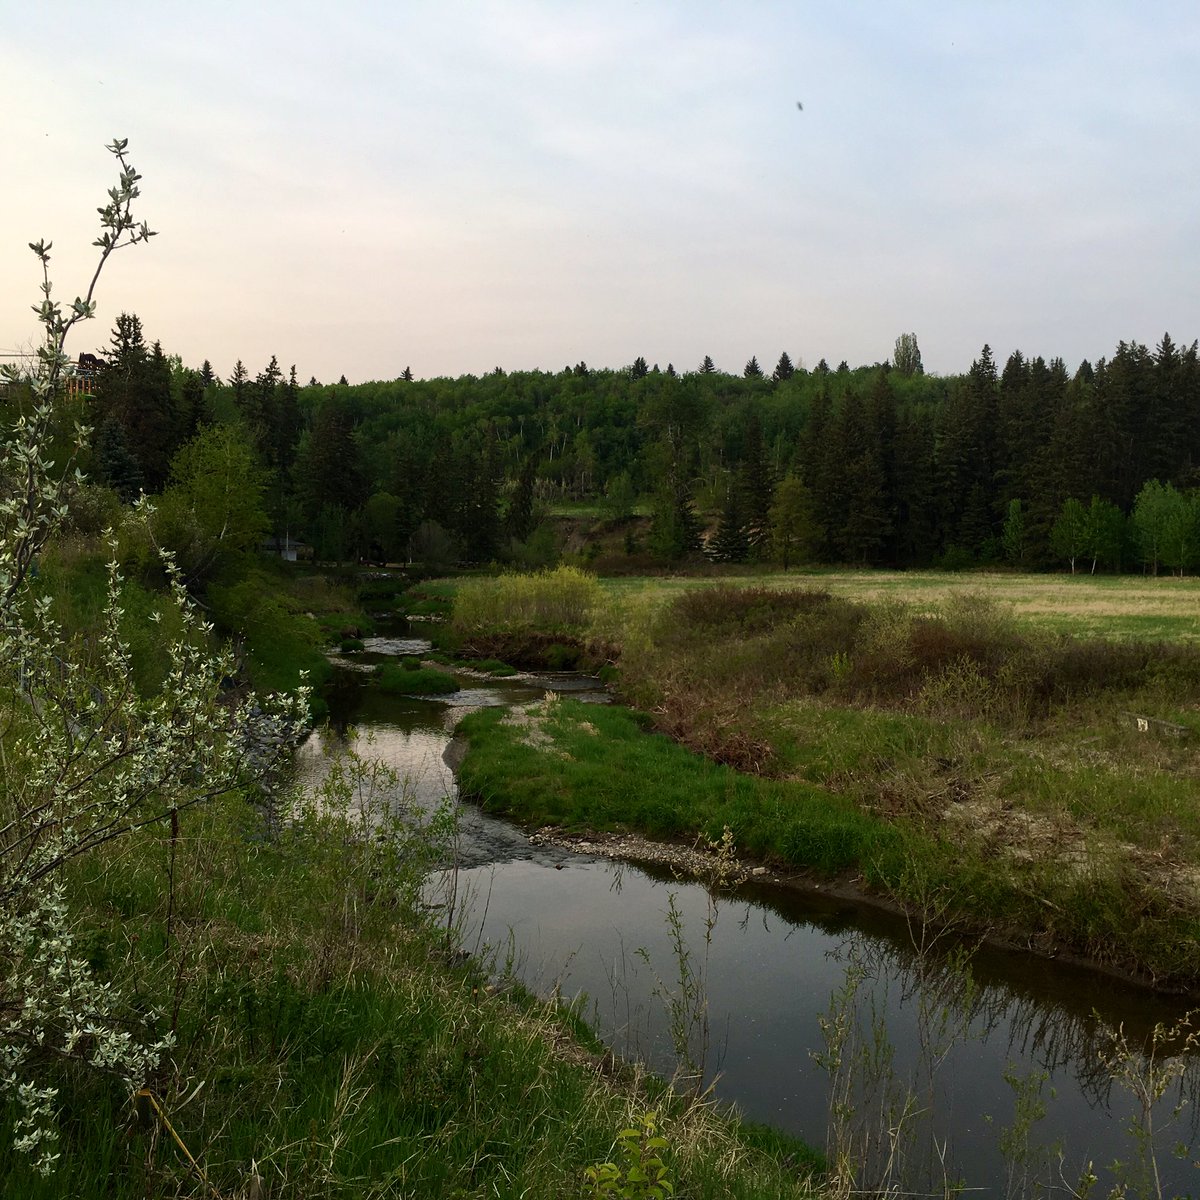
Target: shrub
[(748, 610)]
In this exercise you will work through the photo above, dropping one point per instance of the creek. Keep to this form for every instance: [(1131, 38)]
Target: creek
[(590, 928)]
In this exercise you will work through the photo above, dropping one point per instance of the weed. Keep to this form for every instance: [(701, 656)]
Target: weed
[(641, 1173)]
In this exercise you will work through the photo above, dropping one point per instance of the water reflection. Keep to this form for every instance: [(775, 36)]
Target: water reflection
[(771, 983)]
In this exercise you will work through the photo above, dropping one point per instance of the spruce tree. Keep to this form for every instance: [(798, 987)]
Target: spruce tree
[(783, 368), (728, 543), (752, 370), (329, 470), (967, 458), (134, 389), (113, 463), (518, 522), (756, 490), (238, 381)]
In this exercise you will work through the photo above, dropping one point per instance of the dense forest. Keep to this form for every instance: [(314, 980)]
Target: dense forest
[(885, 465)]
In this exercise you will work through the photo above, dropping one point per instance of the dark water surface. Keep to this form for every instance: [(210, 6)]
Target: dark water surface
[(775, 959)]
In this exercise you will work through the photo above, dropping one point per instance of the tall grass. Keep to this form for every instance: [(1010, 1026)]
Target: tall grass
[(559, 601)]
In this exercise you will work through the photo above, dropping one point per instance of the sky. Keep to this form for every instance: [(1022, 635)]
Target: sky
[(360, 187)]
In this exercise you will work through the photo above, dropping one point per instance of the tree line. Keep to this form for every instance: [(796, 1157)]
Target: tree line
[(879, 465)]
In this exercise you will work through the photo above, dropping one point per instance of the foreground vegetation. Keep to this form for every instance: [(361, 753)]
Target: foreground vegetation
[(329, 1041), (1031, 785)]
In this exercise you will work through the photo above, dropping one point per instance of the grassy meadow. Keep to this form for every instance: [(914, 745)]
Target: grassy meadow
[(1108, 606), (1016, 753)]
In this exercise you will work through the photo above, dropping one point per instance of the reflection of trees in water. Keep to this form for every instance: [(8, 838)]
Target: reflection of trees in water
[(1055, 1017), (1038, 1032)]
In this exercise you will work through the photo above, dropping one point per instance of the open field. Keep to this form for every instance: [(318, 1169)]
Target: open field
[(1114, 606)]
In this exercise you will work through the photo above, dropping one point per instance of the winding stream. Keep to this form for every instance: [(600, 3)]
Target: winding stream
[(599, 930)]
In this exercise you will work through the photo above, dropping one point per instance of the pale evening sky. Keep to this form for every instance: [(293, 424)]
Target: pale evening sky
[(357, 187)]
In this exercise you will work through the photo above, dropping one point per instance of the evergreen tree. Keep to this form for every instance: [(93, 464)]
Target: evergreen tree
[(191, 406), (134, 389), (259, 409), (238, 381), (755, 490), (819, 469), (1014, 534), (675, 528), (854, 492), (918, 530), (728, 543), (481, 526), (966, 460), (329, 468), (639, 370), (707, 367), (752, 370), (518, 521), (113, 463), (207, 375), (882, 420), (1125, 413), (783, 368)]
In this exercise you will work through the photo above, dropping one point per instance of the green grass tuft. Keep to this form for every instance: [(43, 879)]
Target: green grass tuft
[(418, 681)]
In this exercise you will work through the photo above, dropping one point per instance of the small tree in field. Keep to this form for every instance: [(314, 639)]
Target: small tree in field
[(84, 759), (1155, 512), (1069, 534)]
